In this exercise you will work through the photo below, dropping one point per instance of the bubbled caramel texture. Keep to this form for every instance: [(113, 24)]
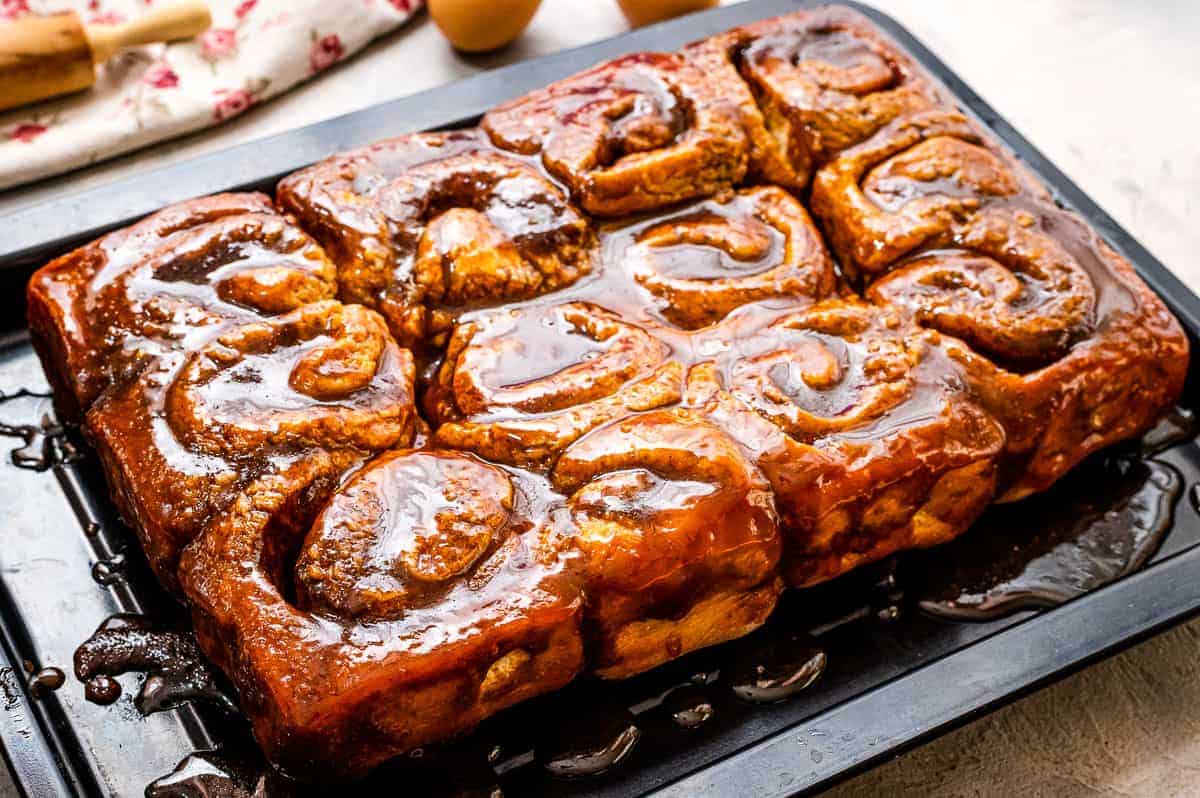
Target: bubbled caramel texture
[(652, 392)]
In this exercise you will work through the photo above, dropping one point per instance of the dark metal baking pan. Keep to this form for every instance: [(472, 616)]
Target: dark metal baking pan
[(894, 675)]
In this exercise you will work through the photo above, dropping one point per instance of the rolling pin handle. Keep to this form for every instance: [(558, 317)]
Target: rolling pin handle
[(179, 20)]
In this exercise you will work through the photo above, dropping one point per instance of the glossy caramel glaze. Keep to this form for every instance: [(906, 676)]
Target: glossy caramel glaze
[(862, 425), (1063, 344), (635, 134), (808, 85), (164, 284), (704, 262), (202, 348), (189, 432), (432, 593), (649, 396), (679, 534), (424, 225)]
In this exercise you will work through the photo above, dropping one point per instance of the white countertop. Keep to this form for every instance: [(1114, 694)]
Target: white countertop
[(1110, 91)]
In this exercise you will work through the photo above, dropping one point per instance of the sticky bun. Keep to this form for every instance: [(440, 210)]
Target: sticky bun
[(1064, 345), (702, 262), (912, 185), (518, 386), (649, 397), (430, 591), (864, 427), (100, 313), (679, 534), (634, 134), (425, 225), (192, 430), (808, 85)]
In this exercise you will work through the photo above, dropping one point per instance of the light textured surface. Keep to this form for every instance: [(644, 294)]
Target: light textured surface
[(1110, 91)]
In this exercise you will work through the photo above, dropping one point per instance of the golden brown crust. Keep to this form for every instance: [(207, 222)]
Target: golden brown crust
[(106, 309), (705, 261), (635, 134), (914, 184), (861, 424), (518, 386), (425, 225), (677, 528), (810, 84), (378, 658), (1065, 346), (192, 430)]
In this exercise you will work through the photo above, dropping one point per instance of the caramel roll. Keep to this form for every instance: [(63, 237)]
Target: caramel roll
[(180, 440), (517, 386), (1009, 290), (864, 428), (439, 514), (914, 184), (710, 258), (778, 152), (426, 225), (325, 374), (634, 134), (679, 534), (430, 592), (1065, 345), (815, 83), (100, 313)]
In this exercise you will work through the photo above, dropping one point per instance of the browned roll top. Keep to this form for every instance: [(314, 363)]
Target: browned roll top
[(326, 374), (170, 281), (516, 386), (914, 184), (809, 85), (709, 259), (863, 426), (393, 536), (427, 225), (679, 536), (635, 134), (1008, 290)]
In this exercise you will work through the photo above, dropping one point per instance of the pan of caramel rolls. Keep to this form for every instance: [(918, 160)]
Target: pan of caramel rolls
[(449, 421)]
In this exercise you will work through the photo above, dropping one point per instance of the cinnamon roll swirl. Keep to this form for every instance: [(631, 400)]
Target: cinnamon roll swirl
[(431, 591), (1063, 343), (703, 262), (100, 313), (679, 534), (634, 134), (517, 386), (810, 84), (424, 226), (914, 184), (180, 440), (862, 425)]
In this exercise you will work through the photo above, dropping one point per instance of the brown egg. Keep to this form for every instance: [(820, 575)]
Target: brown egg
[(644, 12), (476, 26)]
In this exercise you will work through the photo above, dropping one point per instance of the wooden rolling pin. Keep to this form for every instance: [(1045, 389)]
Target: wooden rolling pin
[(44, 57)]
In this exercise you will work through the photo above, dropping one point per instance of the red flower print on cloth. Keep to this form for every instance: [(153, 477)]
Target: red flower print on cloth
[(325, 51), (106, 18), (10, 9), (161, 76), (231, 102), (217, 43), (402, 5), (27, 131), (244, 8)]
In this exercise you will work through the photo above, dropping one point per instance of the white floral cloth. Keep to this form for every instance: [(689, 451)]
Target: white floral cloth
[(255, 50)]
